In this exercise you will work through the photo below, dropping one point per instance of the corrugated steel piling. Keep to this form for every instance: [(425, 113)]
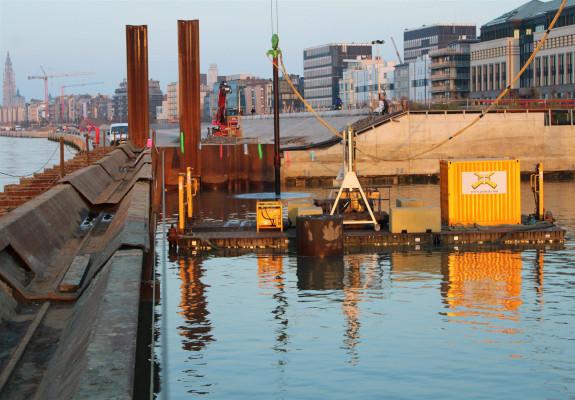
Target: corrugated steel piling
[(138, 101), (189, 92)]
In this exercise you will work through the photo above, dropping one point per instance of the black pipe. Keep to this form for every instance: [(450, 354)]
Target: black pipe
[(277, 163)]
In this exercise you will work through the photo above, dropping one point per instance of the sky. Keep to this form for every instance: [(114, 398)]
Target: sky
[(89, 35)]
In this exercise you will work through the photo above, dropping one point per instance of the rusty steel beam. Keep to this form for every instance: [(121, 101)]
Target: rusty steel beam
[(138, 101), (189, 93)]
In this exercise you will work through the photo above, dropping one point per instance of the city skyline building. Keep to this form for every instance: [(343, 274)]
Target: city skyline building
[(420, 41), (364, 80), (323, 68), (9, 83), (509, 40), (450, 71)]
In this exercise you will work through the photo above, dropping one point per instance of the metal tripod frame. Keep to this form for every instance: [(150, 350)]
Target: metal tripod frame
[(351, 182)]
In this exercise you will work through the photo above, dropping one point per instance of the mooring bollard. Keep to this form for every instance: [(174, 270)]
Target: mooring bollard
[(319, 235)]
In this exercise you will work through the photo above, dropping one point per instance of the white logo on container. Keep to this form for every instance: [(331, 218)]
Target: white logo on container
[(484, 182)]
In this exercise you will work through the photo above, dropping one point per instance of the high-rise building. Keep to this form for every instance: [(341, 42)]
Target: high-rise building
[(323, 68), (212, 75), (172, 102), (508, 41), (420, 41), (9, 84), (155, 97), (450, 68), (120, 100)]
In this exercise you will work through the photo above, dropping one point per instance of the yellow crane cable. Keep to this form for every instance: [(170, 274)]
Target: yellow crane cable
[(484, 112), (322, 121)]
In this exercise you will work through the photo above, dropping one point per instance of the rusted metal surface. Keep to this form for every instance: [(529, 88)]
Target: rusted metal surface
[(233, 168), (31, 187), (108, 181), (246, 238), (60, 247), (319, 235), (138, 100), (189, 92), (69, 225)]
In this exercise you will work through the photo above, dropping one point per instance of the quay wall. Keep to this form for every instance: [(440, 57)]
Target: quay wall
[(394, 148), (76, 141)]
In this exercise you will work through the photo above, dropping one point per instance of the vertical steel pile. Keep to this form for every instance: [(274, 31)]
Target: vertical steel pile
[(189, 93), (138, 101)]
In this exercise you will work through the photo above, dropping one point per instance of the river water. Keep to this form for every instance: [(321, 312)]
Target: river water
[(23, 156), (399, 325)]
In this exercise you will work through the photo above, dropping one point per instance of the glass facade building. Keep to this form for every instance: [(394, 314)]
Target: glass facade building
[(323, 68)]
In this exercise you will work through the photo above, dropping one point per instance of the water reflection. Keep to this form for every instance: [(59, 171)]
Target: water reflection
[(320, 273), (483, 287), (271, 276), (415, 267), (194, 306)]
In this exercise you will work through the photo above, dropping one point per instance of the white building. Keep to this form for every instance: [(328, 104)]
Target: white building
[(363, 79), (420, 80)]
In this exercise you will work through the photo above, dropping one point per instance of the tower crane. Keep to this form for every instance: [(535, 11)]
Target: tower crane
[(45, 78), (72, 85), (396, 51)]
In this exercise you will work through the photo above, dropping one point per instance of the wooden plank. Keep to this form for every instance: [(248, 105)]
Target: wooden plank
[(73, 278)]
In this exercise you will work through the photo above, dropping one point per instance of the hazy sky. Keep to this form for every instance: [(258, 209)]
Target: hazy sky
[(89, 35)]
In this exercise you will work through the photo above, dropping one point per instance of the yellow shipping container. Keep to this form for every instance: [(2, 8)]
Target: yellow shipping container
[(483, 192)]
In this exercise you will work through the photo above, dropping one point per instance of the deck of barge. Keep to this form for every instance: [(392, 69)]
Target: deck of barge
[(217, 236)]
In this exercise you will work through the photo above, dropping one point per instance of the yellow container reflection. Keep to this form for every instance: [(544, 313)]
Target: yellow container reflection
[(484, 284)]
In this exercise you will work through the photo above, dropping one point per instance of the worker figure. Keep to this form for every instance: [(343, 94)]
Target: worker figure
[(173, 238)]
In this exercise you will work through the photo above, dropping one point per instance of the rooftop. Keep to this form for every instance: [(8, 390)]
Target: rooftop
[(338, 44), (437, 25), (529, 10)]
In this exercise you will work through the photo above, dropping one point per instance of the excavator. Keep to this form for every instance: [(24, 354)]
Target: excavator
[(224, 125)]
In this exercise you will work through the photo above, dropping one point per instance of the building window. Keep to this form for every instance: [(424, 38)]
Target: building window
[(545, 76), (561, 67), (490, 83), (569, 73), (553, 70), (537, 70)]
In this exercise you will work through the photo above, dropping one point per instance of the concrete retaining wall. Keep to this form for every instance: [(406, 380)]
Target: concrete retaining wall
[(95, 357), (516, 135)]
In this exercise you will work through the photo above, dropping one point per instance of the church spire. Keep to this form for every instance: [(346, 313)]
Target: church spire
[(9, 83)]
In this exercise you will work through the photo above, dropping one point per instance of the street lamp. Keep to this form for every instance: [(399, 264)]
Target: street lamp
[(377, 43)]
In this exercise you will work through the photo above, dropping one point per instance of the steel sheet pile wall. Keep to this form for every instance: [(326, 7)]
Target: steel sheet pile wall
[(234, 167), (138, 96), (189, 91), (483, 192)]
